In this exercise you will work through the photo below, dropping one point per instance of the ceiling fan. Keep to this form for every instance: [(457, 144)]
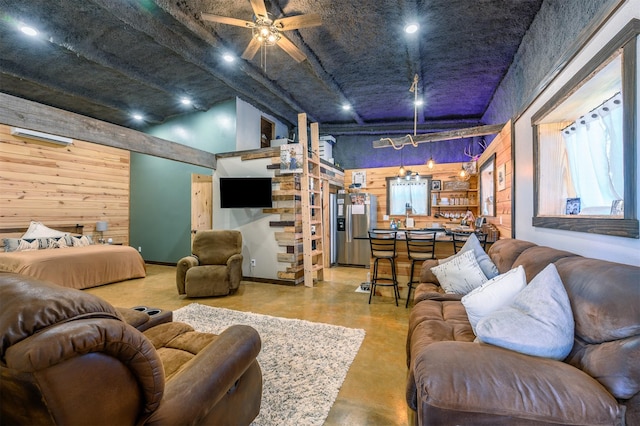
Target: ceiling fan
[(267, 31)]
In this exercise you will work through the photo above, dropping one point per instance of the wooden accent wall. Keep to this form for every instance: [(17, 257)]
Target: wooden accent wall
[(377, 185), (501, 146), (57, 185)]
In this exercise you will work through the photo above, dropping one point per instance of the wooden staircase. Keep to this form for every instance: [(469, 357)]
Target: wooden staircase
[(312, 203)]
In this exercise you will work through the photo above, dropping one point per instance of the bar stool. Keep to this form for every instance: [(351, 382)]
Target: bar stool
[(460, 238), (421, 245), (383, 247)]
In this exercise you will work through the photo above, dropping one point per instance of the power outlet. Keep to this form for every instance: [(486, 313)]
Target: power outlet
[(253, 263)]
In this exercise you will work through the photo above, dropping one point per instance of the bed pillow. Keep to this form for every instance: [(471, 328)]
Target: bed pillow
[(538, 322), (54, 243), (486, 264), (23, 244), (82, 241), (38, 230), (460, 275), (28, 245), (494, 294)]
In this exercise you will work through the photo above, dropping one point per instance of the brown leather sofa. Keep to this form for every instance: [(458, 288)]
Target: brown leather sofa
[(68, 357), (215, 266), (454, 381)]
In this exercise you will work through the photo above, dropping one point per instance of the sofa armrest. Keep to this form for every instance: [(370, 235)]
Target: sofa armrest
[(466, 382), (208, 377), (181, 271), (234, 263), (426, 276)]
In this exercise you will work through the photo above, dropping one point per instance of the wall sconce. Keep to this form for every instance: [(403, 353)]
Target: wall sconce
[(101, 226)]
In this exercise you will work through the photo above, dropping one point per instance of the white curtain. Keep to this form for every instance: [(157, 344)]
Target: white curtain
[(404, 192), (594, 150), (554, 177)]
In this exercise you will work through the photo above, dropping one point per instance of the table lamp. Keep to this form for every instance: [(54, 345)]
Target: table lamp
[(101, 226)]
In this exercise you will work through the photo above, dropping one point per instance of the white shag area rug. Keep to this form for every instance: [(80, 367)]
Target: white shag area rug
[(303, 363)]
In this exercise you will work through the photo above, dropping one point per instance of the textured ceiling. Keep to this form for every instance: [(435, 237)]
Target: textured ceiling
[(106, 59)]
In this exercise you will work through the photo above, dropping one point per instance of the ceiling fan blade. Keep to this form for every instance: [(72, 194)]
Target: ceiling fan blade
[(226, 20), (300, 21), (291, 49), (259, 8), (251, 49)]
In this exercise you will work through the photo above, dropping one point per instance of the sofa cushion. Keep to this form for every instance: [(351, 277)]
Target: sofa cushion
[(538, 322), (460, 274), (473, 245), (604, 299), (473, 384), (505, 251), (494, 294)]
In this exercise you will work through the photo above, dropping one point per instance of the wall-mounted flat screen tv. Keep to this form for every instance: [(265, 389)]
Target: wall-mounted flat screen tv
[(245, 192)]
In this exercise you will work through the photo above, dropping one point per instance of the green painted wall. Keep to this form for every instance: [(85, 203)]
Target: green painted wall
[(160, 205)]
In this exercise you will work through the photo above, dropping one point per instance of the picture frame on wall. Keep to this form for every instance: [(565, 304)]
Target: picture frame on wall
[(436, 185), (502, 177), (573, 206)]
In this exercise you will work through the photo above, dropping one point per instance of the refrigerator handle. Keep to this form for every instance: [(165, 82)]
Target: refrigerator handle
[(349, 223)]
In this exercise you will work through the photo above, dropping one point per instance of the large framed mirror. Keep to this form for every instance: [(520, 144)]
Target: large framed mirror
[(487, 179), (584, 146)]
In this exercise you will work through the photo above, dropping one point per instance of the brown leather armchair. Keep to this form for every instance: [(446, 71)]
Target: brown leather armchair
[(215, 266), (68, 357)]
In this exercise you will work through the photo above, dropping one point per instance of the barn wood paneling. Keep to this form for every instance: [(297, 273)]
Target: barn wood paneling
[(57, 185)]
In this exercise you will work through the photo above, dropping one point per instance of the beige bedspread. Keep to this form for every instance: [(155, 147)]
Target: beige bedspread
[(77, 267)]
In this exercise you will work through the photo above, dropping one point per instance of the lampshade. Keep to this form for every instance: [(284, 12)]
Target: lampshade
[(101, 226)]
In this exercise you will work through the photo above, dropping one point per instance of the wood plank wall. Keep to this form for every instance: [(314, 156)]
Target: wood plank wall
[(501, 146), (57, 185), (377, 185)]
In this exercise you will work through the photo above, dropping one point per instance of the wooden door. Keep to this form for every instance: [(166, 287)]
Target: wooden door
[(201, 203)]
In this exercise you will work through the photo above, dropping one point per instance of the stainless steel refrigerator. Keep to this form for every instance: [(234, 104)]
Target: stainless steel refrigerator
[(355, 216)]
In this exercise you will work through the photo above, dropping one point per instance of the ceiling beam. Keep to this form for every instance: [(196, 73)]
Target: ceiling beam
[(439, 136), (397, 127), (22, 113)]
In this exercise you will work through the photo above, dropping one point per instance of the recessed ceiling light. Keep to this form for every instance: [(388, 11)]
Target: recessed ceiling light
[(185, 101), (419, 102), (30, 31), (411, 28), (137, 117), (346, 107), (228, 57)]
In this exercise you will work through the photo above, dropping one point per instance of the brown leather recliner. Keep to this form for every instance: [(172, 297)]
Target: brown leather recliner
[(215, 266), (68, 357)]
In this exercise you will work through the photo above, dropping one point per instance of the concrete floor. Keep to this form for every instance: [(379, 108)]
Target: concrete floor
[(373, 392)]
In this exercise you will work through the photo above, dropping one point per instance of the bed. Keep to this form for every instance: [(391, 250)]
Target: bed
[(75, 267)]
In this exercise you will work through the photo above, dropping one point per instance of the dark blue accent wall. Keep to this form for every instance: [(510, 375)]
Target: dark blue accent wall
[(357, 152)]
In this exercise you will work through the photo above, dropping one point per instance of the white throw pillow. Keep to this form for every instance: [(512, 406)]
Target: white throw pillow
[(26, 245), (82, 241), (38, 230), (486, 264), (538, 322), (494, 294), (460, 275)]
